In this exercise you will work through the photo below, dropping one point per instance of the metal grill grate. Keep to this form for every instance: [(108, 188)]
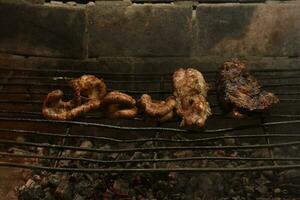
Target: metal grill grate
[(165, 147)]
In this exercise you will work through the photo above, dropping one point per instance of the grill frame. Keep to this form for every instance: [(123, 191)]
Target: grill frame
[(158, 130)]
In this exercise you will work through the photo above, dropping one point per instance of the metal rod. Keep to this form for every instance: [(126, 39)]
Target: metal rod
[(11, 155), (157, 170), (209, 79), (211, 93), (149, 149), (126, 128), (48, 70), (59, 154), (98, 116), (108, 139), (51, 84)]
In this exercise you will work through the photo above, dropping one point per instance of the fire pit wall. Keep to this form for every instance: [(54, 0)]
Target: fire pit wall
[(138, 34), (125, 37)]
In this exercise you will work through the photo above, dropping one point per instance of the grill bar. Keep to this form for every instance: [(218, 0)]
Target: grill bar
[(159, 92), (157, 170), (150, 149), (148, 160), (272, 85), (62, 71), (107, 139), (99, 116), (127, 128), (68, 78)]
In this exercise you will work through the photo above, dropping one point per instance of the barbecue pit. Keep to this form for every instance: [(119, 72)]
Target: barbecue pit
[(93, 157)]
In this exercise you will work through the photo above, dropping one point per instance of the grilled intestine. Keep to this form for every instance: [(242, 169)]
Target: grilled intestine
[(119, 105), (190, 91), (88, 92), (161, 111), (239, 92)]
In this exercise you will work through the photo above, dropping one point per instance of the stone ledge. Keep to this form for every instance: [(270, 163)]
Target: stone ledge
[(143, 65), (23, 1), (271, 29), (41, 30), (120, 28), (139, 29)]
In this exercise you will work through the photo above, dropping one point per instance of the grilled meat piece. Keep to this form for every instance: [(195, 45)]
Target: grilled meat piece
[(89, 86), (119, 105), (238, 91), (190, 91), (88, 89), (166, 117), (161, 110), (121, 111), (55, 108)]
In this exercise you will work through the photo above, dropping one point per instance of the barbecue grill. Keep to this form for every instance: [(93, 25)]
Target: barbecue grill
[(175, 163)]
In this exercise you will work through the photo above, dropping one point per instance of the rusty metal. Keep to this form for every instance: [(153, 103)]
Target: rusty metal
[(35, 83)]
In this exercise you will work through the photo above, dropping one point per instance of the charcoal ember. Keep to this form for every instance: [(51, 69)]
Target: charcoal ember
[(113, 156), (65, 163), (53, 180), (84, 188), (200, 186), (100, 185), (49, 196), (262, 189), (261, 186), (20, 139), (290, 176), (173, 177), (277, 191), (183, 154), (269, 174), (84, 144), (36, 178), (11, 195), (30, 191), (64, 190), (104, 156), (41, 151), (118, 191), (121, 187), (290, 189), (239, 92), (78, 197), (44, 182), (229, 141), (172, 185)]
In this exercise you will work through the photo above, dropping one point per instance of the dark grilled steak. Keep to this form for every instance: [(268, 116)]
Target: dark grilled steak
[(239, 92)]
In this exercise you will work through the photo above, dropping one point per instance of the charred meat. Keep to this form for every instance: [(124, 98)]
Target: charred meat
[(238, 91), (190, 91)]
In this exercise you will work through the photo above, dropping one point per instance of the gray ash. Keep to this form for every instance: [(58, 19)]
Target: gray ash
[(44, 185)]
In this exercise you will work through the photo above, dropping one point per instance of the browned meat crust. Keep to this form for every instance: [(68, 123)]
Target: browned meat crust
[(166, 117), (88, 91), (190, 91), (119, 105), (238, 91), (119, 111), (160, 110), (157, 108), (89, 86)]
